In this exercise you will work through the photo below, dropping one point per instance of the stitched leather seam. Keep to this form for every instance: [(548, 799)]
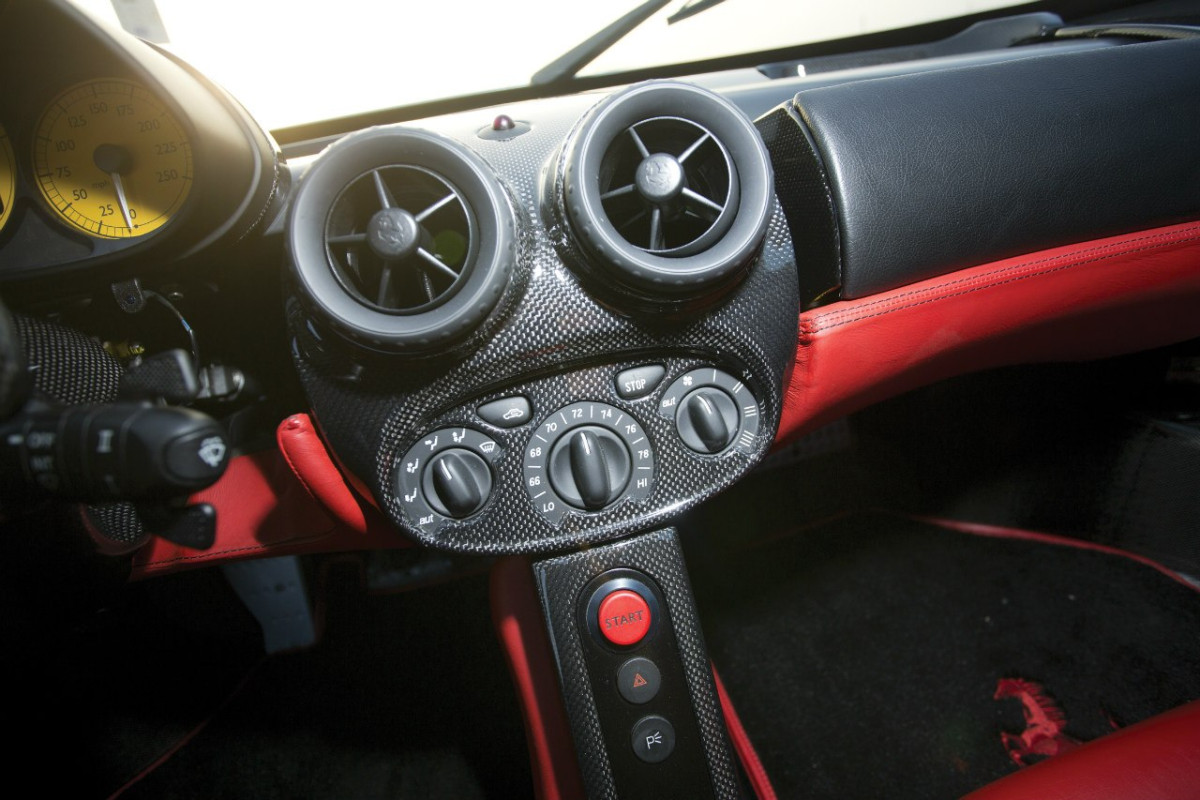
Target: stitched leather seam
[(817, 322), (215, 554), (299, 477)]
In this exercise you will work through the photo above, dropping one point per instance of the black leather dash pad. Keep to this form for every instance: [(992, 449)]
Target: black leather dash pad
[(938, 171)]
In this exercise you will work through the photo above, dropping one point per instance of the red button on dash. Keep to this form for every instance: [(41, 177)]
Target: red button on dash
[(624, 617)]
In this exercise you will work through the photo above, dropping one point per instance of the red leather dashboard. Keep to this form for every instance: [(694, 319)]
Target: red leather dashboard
[(1082, 301)]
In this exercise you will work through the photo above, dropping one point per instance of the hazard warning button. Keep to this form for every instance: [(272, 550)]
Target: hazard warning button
[(638, 680), (624, 617)]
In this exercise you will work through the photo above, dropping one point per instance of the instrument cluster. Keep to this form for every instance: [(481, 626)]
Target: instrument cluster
[(115, 153)]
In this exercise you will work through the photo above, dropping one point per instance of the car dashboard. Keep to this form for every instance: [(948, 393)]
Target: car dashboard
[(552, 327)]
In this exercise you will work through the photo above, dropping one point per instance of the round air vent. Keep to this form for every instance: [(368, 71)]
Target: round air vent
[(399, 239), (667, 189), (402, 239)]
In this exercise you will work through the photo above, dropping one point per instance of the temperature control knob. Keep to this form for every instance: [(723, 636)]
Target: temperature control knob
[(588, 456), (590, 467)]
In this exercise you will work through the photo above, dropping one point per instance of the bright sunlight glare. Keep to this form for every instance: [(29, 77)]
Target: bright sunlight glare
[(296, 62)]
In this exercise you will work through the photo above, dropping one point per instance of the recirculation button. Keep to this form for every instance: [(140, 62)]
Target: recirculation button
[(507, 412), (624, 617)]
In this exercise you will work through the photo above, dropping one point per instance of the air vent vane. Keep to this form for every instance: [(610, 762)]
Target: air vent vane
[(402, 239), (399, 238), (666, 183)]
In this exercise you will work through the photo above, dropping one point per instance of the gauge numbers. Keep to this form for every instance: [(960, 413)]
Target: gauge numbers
[(111, 160), (8, 177)]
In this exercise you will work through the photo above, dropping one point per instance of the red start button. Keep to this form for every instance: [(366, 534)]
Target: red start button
[(624, 617)]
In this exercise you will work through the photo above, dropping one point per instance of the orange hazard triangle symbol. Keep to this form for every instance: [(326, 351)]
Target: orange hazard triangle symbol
[(638, 680)]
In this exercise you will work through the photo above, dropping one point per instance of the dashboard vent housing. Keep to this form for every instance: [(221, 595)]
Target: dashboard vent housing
[(667, 190), (403, 240)]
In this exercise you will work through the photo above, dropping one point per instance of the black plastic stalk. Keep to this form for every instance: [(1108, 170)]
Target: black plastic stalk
[(113, 452)]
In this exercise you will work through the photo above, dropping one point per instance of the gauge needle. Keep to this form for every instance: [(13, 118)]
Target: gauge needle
[(121, 201), (113, 160)]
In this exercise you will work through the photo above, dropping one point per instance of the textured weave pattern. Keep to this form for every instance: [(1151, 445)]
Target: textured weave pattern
[(560, 581), (803, 190), (118, 522), (73, 369), (546, 342), (66, 365)]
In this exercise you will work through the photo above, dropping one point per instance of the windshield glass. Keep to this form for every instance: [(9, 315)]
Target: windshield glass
[(294, 63)]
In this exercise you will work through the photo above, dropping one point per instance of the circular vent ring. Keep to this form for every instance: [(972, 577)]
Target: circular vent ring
[(402, 239), (667, 188)]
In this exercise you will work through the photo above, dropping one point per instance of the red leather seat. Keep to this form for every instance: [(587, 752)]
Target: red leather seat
[(1158, 759)]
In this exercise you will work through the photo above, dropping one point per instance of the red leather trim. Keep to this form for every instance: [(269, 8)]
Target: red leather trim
[(1083, 301), (1158, 759), (980, 529), (517, 617), (262, 510), (306, 454), (755, 772)]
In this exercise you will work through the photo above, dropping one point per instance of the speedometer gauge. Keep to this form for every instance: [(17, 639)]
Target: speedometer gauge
[(111, 160), (8, 177)]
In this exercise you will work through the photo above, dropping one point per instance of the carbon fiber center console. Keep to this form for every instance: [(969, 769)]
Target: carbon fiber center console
[(635, 673), (558, 336), (551, 338)]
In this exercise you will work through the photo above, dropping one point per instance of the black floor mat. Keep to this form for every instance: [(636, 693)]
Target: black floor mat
[(93, 702), (863, 655), (407, 696)]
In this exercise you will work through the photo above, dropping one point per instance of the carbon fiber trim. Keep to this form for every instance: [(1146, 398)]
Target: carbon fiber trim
[(560, 581), (118, 522), (803, 190), (556, 343), (74, 369), (66, 365)]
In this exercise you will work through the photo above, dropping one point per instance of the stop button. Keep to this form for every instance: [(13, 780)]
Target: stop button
[(624, 617)]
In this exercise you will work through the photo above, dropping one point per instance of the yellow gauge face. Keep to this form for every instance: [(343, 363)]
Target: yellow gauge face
[(111, 160), (8, 177)]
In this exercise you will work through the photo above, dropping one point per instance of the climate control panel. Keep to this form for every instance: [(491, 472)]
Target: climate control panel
[(580, 455), (447, 475)]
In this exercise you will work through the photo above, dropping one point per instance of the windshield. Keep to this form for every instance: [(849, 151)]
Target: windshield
[(295, 63)]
